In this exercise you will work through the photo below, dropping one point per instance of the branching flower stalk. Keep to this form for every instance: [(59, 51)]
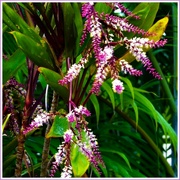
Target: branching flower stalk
[(104, 40), (106, 32)]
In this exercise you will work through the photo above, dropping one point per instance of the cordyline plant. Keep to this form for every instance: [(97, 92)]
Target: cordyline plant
[(96, 55)]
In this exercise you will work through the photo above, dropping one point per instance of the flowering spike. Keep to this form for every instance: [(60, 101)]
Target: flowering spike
[(126, 11), (136, 45), (42, 117), (68, 135), (67, 172), (117, 86), (126, 67)]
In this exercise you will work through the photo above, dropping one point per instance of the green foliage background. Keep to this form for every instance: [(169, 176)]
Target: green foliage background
[(129, 127)]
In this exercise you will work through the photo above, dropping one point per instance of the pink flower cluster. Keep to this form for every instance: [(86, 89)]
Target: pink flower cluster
[(106, 32), (39, 118), (63, 156), (87, 143), (77, 113)]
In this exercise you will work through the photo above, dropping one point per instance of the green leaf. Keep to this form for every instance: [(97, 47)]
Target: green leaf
[(95, 103), (13, 64), (151, 15), (9, 161), (129, 84), (134, 105), (110, 93), (69, 29), (122, 155), (116, 167), (101, 7), (79, 25), (145, 105), (39, 53), (36, 166), (136, 173), (5, 122), (10, 147), (52, 79), (79, 161), (142, 11), (59, 126), (147, 13), (9, 44), (16, 23)]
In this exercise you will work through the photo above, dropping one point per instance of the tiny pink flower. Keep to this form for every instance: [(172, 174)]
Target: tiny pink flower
[(71, 117), (68, 135), (117, 86)]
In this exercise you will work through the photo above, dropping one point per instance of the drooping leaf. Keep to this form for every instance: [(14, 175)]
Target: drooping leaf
[(110, 92), (123, 156), (59, 126), (8, 148), (52, 79), (116, 167), (95, 103), (129, 84), (147, 106), (134, 105), (16, 23), (79, 25), (13, 64), (39, 53), (9, 161), (79, 161), (69, 29)]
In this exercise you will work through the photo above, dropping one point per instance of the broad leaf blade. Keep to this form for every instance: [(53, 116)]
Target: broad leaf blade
[(11, 66), (69, 29), (78, 24), (11, 17), (52, 79), (59, 127), (101, 7), (39, 53), (79, 161)]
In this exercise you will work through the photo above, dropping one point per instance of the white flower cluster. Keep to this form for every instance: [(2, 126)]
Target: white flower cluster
[(67, 172), (117, 86)]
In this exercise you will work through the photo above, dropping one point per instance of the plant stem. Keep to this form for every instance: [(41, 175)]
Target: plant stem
[(19, 154), (45, 152), (144, 135), (27, 111), (164, 83)]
